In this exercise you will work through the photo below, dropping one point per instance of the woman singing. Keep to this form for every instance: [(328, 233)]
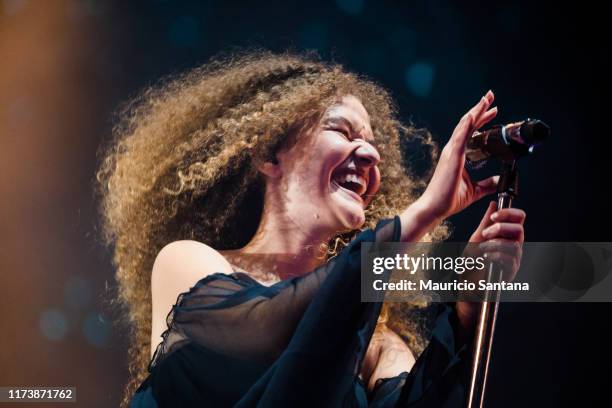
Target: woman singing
[(237, 197)]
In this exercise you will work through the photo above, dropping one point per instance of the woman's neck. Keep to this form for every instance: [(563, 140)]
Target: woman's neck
[(287, 246)]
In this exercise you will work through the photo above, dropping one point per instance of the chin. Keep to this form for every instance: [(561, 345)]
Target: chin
[(351, 216), (356, 220), (347, 203)]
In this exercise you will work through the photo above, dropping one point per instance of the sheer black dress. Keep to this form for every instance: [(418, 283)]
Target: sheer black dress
[(232, 341)]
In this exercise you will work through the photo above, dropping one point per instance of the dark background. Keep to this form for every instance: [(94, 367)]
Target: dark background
[(66, 65)]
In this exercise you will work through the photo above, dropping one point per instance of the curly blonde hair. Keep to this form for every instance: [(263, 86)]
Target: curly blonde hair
[(183, 159)]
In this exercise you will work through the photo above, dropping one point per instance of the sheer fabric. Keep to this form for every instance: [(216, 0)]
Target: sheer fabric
[(232, 341)]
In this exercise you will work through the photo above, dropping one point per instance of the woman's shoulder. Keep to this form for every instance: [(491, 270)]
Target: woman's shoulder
[(178, 267), (187, 260), (180, 264)]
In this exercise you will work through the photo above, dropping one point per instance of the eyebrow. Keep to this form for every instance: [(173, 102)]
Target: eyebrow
[(349, 124)]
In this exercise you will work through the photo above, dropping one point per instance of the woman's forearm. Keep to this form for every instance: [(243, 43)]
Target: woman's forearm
[(417, 220)]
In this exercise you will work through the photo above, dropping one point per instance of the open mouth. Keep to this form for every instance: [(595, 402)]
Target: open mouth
[(352, 183)]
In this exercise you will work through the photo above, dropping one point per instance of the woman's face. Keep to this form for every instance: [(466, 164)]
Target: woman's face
[(330, 175)]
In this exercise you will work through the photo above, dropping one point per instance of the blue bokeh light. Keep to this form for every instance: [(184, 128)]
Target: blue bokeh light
[(53, 324), (419, 78)]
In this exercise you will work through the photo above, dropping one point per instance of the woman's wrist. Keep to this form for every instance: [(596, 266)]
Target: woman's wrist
[(417, 220)]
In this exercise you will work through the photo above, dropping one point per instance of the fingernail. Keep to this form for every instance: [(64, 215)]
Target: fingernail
[(494, 216)]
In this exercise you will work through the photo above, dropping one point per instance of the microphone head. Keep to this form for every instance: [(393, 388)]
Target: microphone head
[(534, 132)]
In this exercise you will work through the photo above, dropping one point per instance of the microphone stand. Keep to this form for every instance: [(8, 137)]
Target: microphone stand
[(507, 190)]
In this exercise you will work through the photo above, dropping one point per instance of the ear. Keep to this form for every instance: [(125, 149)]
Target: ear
[(270, 169)]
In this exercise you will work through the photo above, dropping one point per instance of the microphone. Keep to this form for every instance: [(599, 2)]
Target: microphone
[(506, 142)]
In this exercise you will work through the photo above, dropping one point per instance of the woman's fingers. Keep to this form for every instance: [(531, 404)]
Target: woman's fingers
[(505, 251), (468, 122), (507, 246), (510, 264), (484, 223), (486, 118), (485, 187), (451, 188), (515, 215), (504, 230)]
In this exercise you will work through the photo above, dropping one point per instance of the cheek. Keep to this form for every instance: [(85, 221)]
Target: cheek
[(311, 172), (326, 155), (331, 148)]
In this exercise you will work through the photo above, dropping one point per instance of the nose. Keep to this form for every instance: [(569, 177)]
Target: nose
[(366, 155)]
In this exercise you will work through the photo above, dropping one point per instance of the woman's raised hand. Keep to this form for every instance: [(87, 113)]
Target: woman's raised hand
[(451, 189)]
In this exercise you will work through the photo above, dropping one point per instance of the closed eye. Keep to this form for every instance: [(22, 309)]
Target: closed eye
[(348, 136), (344, 132)]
